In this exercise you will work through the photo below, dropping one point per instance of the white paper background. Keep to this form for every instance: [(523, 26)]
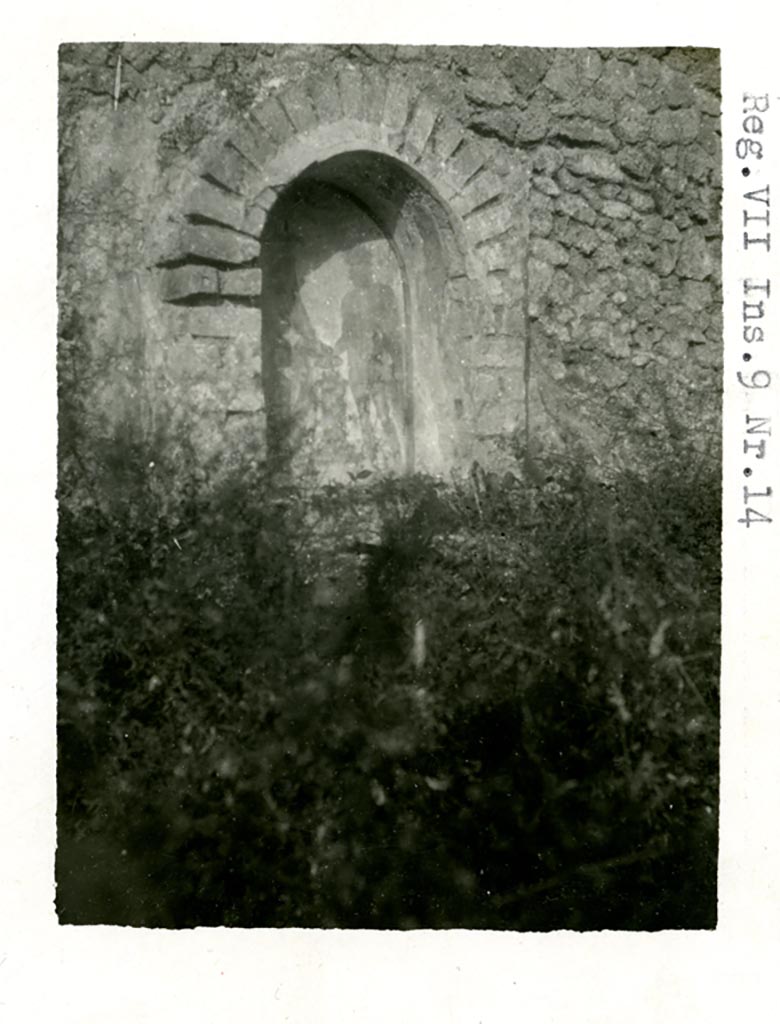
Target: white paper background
[(81, 975)]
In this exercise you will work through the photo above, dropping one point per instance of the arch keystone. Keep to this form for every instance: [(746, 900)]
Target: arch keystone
[(351, 89), (396, 104)]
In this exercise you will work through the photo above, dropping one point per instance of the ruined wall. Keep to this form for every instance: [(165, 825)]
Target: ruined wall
[(560, 223)]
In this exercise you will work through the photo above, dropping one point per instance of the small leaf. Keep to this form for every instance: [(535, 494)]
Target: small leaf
[(437, 785)]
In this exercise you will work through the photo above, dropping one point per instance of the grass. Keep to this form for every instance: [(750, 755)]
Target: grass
[(400, 703)]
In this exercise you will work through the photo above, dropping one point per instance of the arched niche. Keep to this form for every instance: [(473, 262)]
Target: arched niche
[(362, 359), (392, 174)]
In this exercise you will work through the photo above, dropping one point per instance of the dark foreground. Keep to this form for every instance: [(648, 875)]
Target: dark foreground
[(490, 704)]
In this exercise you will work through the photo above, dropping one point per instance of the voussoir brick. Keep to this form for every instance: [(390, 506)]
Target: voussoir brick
[(420, 127), (186, 282), (325, 95), (209, 242), (229, 169), (298, 107), (351, 90), (489, 223), (485, 186), (464, 164), (447, 136), (254, 144), (271, 117), (396, 103), (374, 95), (213, 203)]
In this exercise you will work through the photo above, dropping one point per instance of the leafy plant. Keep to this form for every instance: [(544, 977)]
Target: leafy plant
[(393, 703)]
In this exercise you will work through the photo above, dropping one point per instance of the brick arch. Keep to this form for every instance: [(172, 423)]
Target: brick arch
[(212, 264)]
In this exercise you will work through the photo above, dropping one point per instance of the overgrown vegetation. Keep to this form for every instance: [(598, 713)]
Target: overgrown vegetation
[(484, 703)]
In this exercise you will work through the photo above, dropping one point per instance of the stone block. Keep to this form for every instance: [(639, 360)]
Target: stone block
[(464, 164), (209, 242), (511, 319), (246, 400), (676, 89), (351, 90), (298, 107), (460, 318), (498, 255), (487, 223), (526, 67), (547, 160), (708, 354), (675, 126), (616, 210), (505, 351), (447, 136), (220, 321), (571, 70), (581, 132), (594, 165), (697, 295), (254, 144), (642, 202), (497, 397), (547, 186), (271, 117), (241, 283), (480, 190), (607, 256), (562, 310), (694, 259), (493, 91), (639, 161), (396, 103), (212, 203), (549, 252), (432, 169), (540, 221), (190, 359), (640, 359), (420, 128), (497, 286), (540, 276), (533, 125), (577, 207), (641, 282), (374, 95), (326, 97), (596, 109), (229, 169), (186, 282), (254, 220), (578, 236), (618, 79)]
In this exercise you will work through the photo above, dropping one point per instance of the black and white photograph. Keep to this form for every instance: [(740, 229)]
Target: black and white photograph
[(389, 384)]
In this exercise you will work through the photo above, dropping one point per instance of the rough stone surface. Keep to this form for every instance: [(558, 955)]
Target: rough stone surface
[(577, 219)]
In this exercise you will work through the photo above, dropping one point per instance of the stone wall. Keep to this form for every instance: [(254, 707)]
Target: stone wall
[(554, 216)]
